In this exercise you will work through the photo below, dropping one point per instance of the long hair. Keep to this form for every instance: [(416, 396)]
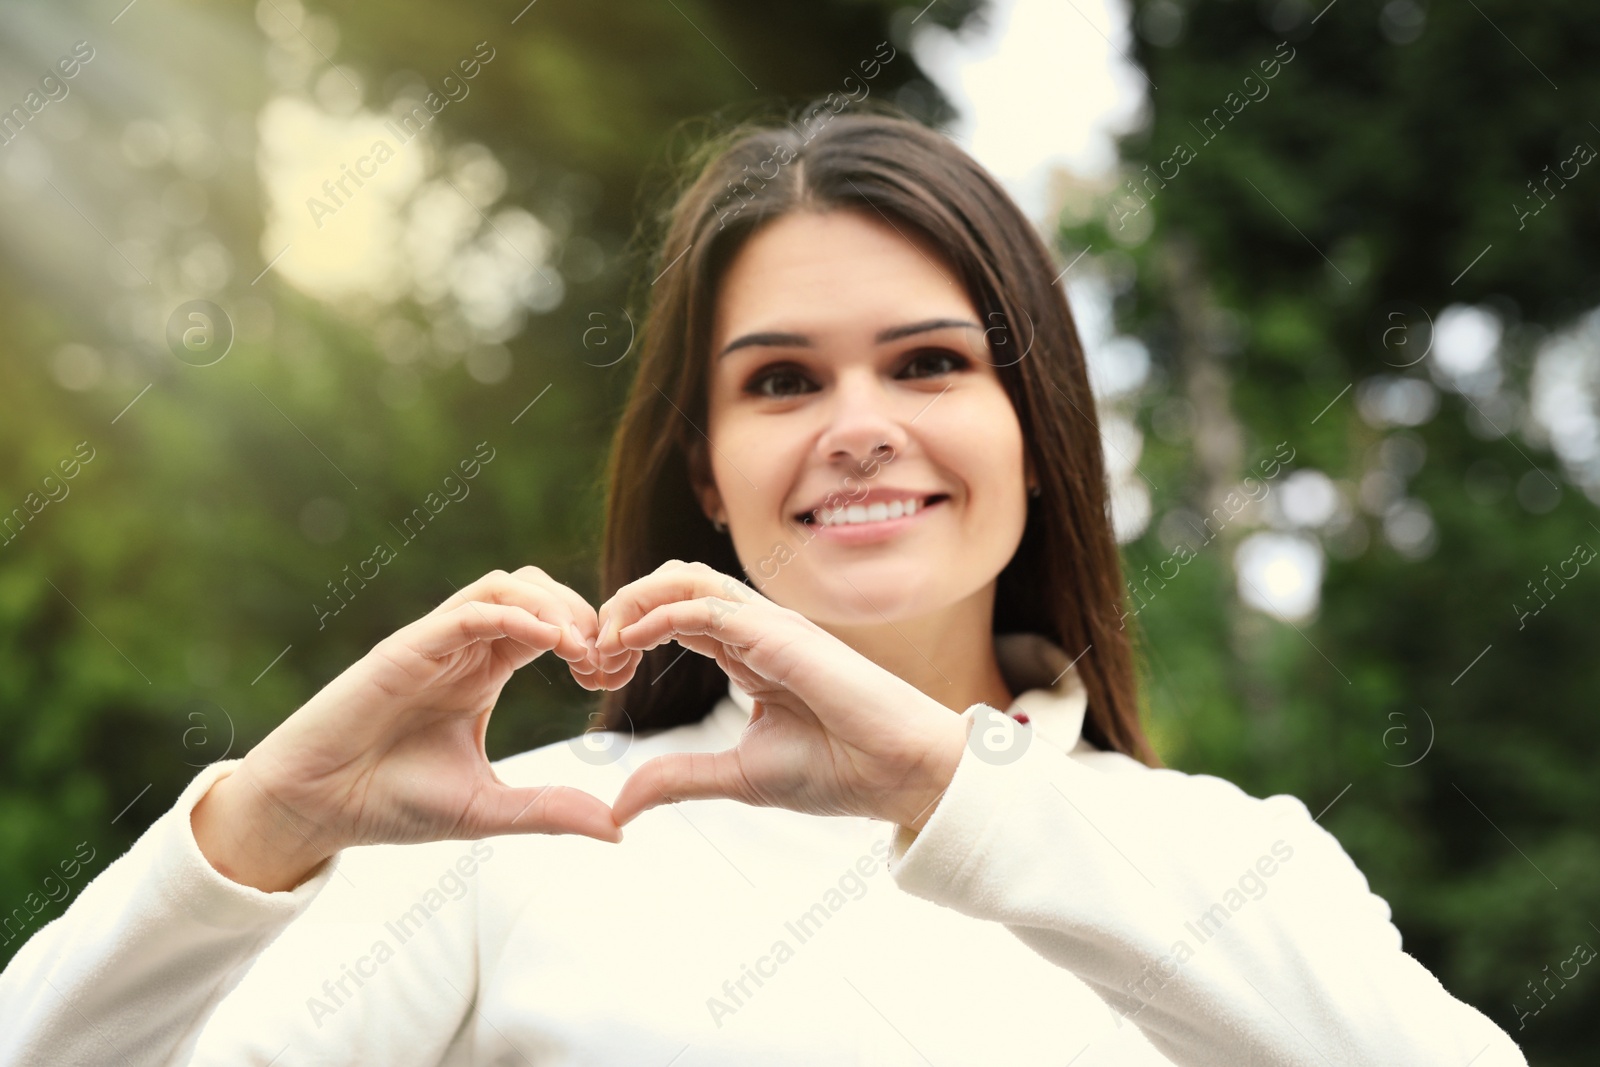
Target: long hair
[(1065, 580)]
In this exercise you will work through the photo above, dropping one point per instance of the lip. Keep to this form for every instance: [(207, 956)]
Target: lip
[(872, 532)]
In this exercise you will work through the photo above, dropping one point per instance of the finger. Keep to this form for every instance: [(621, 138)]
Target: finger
[(440, 635), (619, 670), (545, 809), (613, 677), (708, 618), (477, 589), (707, 644), (680, 776), (498, 587), (582, 612), (672, 581), (587, 668)]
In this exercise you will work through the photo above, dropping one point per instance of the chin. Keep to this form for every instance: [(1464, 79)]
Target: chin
[(872, 594)]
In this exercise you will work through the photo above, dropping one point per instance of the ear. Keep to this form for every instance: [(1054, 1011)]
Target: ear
[(705, 486)]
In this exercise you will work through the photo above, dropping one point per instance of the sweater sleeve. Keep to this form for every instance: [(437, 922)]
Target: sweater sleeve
[(163, 961), (130, 971), (1230, 929)]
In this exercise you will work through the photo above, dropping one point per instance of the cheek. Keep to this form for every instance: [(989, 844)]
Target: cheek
[(981, 443), (753, 463)]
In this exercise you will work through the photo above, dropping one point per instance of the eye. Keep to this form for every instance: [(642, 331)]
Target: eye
[(781, 373), (936, 356)]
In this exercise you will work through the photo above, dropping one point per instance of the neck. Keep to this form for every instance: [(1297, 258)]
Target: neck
[(948, 654)]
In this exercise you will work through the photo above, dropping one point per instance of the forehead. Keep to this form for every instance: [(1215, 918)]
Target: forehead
[(836, 273)]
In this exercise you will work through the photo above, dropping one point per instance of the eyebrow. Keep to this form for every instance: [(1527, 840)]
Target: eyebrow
[(777, 339)]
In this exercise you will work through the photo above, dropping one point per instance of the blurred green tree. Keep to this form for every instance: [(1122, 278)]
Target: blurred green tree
[(1338, 231)]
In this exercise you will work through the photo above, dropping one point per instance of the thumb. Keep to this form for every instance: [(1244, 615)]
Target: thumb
[(679, 776), (543, 809)]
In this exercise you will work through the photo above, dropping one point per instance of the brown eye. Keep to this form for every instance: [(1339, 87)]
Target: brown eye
[(782, 374), (934, 357)]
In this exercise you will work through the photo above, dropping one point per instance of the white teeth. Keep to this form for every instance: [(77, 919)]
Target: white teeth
[(875, 512)]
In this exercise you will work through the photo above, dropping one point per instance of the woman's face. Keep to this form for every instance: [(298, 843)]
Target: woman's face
[(879, 343)]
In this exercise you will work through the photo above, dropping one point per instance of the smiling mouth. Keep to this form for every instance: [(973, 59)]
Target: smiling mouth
[(864, 514)]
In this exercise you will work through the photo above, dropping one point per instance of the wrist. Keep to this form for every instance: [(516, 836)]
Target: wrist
[(947, 742), (249, 840)]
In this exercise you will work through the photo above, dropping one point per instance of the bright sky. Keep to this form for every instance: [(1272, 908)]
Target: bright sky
[(1045, 83)]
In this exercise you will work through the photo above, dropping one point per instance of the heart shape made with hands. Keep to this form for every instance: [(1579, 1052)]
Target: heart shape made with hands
[(831, 733)]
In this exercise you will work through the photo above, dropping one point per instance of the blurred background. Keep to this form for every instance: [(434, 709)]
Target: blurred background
[(270, 276)]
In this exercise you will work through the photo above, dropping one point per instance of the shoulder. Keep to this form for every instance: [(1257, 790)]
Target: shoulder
[(1209, 813), (1211, 792), (1208, 803)]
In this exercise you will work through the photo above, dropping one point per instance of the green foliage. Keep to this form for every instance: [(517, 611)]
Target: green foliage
[(1374, 172)]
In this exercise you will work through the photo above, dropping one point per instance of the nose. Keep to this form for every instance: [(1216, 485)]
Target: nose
[(861, 424)]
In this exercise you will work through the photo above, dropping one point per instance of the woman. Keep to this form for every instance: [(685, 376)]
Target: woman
[(861, 392)]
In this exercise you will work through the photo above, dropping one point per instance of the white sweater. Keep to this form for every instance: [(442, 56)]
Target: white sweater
[(1069, 906)]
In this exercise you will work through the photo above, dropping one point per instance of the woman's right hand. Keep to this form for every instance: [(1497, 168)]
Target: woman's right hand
[(391, 751)]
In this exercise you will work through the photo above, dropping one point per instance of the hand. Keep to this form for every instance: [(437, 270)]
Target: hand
[(831, 733), (392, 749)]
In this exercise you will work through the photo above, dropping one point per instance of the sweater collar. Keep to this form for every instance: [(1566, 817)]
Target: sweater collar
[(1044, 678)]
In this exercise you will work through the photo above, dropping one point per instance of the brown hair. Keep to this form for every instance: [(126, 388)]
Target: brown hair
[(1065, 580)]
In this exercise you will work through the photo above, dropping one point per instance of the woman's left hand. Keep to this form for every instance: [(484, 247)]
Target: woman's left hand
[(831, 733)]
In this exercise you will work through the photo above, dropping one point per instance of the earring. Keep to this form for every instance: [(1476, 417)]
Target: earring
[(1035, 491), (719, 526)]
